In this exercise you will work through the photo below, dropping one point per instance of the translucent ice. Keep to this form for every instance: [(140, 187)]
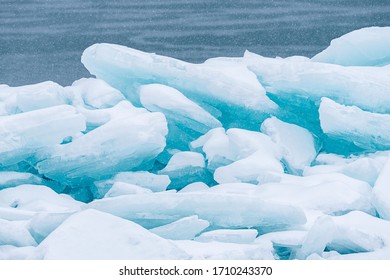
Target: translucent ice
[(365, 167), (222, 148), (31, 97), (330, 193), (297, 143), (295, 82), (124, 143), (9, 179), (182, 229), (23, 134), (120, 188), (369, 131), (184, 168), (364, 47), (177, 108), (220, 209), (154, 182), (96, 93), (126, 69), (382, 192)]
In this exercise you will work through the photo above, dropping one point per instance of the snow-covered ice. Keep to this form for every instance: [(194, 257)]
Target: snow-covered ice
[(234, 158), (368, 46)]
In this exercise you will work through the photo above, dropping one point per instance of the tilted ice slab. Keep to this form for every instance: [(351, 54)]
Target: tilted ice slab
[(293, 80), (94, 93), (368, 46), (328, 193), (177, 108), (252, 155), (220, 209), (369, 131), (332, 196), (95, 235), (285, 243), (184, 168), (297, 143), (23, 134), (381, 192), (123, 143), (365, 167), (126, 69), (222, 148), (31, 97), (355, 235), (183, 229), (120, 188)]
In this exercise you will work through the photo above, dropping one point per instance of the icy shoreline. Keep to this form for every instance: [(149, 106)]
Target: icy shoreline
[(236, 158)]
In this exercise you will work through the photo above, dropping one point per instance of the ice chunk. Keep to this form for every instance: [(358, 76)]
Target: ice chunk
[(216, 145), (182, 229), (222, 148), (15, 233), (96, 93), (177, 108), (31, 97), (330, 193), (364, 47), (365, 167), (369, 131), (95, 235), (220, 209), (122, 144), (120, 188), (250, 169), (9, 179), (354, 235), (381, 192), (37, 198), (154, 182), (126, 69), (296, 142), (184, 159), (241, 236), (226, 251), (184, 168), (292, 82), (22, 135)]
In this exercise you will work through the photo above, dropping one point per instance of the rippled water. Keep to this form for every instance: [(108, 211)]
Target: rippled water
[(43, 39)]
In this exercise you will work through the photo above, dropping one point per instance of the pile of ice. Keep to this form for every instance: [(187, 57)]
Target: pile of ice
[(242, 158)]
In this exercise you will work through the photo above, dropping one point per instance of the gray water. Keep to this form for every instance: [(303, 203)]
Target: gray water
[(44, 39)]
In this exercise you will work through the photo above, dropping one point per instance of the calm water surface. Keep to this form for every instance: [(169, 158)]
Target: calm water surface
[(44, 39)]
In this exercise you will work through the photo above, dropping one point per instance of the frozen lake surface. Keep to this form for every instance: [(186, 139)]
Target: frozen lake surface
[(43, 40)]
